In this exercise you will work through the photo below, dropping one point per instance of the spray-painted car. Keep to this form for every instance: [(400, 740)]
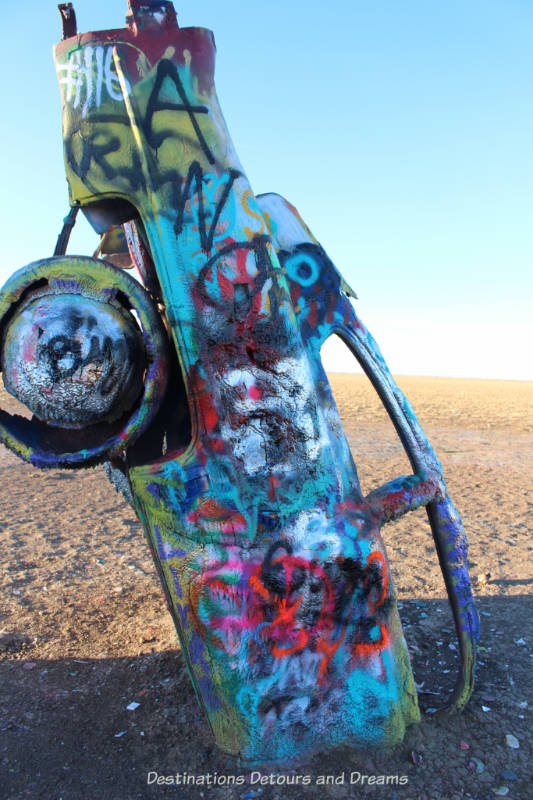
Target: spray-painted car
[(202, 388)]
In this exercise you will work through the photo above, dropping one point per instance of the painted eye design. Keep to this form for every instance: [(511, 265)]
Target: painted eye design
[(308, 266), (303, 268)]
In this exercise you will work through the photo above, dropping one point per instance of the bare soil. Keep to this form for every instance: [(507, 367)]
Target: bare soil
[(84, 629)]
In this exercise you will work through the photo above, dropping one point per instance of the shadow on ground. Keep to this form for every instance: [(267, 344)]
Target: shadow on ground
[(66, 731)]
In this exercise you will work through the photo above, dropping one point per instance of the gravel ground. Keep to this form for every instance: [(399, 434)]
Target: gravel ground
[(84, 630)]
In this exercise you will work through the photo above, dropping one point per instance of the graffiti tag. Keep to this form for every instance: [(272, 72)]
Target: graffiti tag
[(89, 77)]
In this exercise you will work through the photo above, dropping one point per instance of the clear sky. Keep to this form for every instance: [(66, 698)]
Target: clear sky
[(402, 131)]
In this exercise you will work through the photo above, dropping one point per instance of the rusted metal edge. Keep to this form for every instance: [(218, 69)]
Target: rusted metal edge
[(68, 19)]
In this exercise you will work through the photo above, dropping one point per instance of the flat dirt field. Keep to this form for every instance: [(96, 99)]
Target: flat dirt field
[(84, 629)]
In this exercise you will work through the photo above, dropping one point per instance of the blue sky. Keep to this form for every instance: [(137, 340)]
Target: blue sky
[(402, 131)]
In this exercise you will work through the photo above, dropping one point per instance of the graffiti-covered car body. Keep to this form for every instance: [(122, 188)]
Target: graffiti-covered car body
[(231, 451)]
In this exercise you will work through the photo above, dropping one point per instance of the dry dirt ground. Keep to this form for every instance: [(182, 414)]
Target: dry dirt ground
[(84, 630)]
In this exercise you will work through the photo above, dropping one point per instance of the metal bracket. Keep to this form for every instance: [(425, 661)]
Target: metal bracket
[(68, 18), (64, 236)]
